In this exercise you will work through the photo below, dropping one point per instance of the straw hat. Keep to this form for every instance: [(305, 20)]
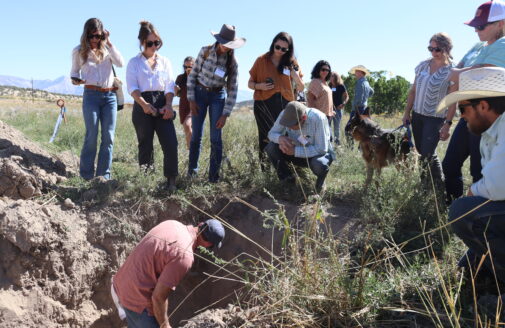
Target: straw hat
[(476, 83), (359, 68)]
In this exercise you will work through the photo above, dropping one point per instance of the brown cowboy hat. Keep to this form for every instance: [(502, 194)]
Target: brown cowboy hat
[(227, 37)]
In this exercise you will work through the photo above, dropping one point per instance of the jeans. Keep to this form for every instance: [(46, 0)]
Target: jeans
[(425, 130), (265, 113), (140, 320), (463, 144), (145, 126), (319, 165), (214, 103), (98, 108), (336, 119), (483, 226)]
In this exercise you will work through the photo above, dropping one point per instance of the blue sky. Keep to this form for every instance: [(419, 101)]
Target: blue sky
[(387, 35)]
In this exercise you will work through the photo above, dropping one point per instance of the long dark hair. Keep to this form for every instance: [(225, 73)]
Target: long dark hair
[(147, 28), (288, 58), (91, 25), (316, 71)]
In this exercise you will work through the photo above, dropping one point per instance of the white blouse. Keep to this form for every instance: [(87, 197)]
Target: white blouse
[(140, 76), (94, 71)]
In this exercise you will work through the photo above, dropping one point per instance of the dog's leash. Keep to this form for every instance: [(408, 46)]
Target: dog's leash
[(409, 132)]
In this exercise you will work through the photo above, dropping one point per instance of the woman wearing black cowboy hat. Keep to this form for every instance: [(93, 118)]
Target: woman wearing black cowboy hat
[(214, 70)]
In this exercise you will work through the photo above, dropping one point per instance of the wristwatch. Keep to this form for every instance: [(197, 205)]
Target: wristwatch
[(448, 122)]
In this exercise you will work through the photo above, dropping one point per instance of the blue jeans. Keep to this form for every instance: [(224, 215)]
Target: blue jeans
[(336, 119), (140, 320), (483, 226), (98, 108), (319, 165), (214, 103), (463, 144), (425, 130)]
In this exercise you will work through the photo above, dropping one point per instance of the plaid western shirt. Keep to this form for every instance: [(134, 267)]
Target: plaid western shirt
[(204, 73), (315, 130)]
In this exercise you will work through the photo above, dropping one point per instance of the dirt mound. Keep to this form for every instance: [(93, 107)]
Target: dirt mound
[(232, 316)]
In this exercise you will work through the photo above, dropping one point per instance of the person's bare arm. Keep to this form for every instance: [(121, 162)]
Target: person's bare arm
[(410, 103), (160, 304)]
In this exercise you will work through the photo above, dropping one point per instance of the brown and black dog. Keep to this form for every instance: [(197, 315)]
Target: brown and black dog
[(379, 147)]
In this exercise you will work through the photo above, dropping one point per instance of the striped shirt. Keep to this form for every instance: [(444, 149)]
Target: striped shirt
[(207, 71), (430, 89), (315, 130)]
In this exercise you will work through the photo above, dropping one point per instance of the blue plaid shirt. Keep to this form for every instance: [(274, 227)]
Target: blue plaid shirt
[(362, 91), (315, 130)]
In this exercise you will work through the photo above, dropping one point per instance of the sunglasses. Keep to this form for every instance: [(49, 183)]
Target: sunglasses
[(463, 106), (483, 27), (156, 43), (186, 67), (325, 70), (278, 47), (96, 36), (436, 49)]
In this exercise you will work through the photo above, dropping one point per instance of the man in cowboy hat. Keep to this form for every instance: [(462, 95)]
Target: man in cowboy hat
[(362, 91), (155, 267), (214, 70), (480, 216), (300, 136)]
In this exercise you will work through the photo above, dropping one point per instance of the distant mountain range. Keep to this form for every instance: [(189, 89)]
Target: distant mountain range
[(64, 85)]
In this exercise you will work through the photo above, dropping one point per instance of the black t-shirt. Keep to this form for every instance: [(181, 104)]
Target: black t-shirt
[(338, 94)]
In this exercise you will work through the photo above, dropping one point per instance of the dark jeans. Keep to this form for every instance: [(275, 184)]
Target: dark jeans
[(140, 320), (463, 144), (483, 226), (265, 113), (319, 165), (214, 103), (145, 126), (425, 130)]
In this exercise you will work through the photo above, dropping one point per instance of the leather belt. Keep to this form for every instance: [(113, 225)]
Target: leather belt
[(216, 89), (94, 87)]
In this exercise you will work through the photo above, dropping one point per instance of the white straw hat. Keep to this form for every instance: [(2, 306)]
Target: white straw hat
[(359, 68), (477, 83)]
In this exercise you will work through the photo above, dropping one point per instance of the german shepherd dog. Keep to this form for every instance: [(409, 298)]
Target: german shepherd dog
[(379, 147)]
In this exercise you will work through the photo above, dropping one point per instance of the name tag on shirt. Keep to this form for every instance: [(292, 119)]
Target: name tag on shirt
[(302, 140), (333, 89), (219, 72), (286, 71)]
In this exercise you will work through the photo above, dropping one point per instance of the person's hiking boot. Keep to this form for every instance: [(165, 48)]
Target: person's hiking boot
[(170, 186), (320, 183)]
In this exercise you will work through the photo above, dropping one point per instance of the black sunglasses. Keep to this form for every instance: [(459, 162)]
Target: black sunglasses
[(483, 26), (278, 47), (186, 67), (463, 106), (156, 43), (96, 36), (325, 70), (436, 49)]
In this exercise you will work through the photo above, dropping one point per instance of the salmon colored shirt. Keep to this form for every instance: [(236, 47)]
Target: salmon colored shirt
[(164, 256), (323, 97), (262, 69)]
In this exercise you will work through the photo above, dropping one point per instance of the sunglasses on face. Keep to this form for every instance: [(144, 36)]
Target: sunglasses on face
[(278, 47), (483, 27), (436, 49), (156, 43), (462, 107), (325, 70), (96, 36), (186, 67)]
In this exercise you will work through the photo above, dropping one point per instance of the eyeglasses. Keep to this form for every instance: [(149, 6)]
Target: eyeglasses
[(325, 70), (436, 49), (156, 43), (186, 67), (483, 27), (96, 36), (463, 106), (278, 47)]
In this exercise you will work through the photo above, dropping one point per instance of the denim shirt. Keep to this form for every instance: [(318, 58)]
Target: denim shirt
[(362, 91), (315, 130), (492, 149)]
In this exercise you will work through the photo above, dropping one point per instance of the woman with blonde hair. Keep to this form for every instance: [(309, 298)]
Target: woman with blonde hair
[(92, 64), (430, 86), (340, 98), (150, 81)]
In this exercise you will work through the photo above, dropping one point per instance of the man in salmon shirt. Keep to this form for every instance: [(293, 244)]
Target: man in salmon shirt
[(155, 267)]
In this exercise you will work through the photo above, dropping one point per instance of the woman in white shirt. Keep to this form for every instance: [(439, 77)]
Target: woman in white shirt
[(92, 64), (150, 81)]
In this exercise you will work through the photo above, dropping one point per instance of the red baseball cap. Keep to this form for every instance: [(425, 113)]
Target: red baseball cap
[(488, 12)]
